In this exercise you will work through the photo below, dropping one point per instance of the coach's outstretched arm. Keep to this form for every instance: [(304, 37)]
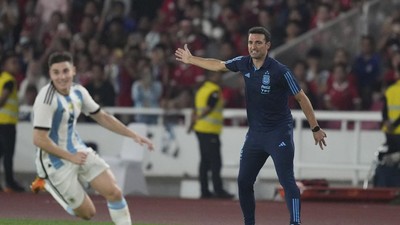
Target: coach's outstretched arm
[(184, 55)]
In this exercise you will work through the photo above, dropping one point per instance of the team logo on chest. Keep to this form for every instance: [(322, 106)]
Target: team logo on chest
[(265, 86)]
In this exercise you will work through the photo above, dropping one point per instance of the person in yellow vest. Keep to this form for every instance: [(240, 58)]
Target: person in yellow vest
[(8, 118), (207, 122), (387, 173)]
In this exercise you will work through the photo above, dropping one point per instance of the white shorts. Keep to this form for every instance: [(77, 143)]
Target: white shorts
[(66, 180)]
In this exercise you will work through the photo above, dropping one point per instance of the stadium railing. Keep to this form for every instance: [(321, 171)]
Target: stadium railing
[(348, 157)]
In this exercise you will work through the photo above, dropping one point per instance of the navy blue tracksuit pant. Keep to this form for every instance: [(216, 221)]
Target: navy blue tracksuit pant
[(257, 148)]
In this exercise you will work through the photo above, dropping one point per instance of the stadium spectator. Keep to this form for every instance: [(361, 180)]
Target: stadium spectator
[(301, 19), (34, 77), (114, 72), (322, 15), (86, 31), (292, 31), (342, 95), (87, 8), (83, 68), (367, 70), (391, 41), (187, 33), (233, 25), (94, 48), (9, 16), (316, 75), (45, 9), (294, 10), (116, 8), (146, 93), (49, 31), (100, 87), (171, 12), (183, 76), (114, 35), (393, 70), (234, 95), (201, 24), (267, 19), (28, 99), (160, 68), (300, 73), (341, 56), (376, 106), (26, 52)]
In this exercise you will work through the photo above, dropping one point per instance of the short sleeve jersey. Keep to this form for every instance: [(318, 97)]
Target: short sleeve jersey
[(267, 92), (59, 113)]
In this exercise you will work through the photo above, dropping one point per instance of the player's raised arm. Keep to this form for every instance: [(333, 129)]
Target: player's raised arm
[(184, 55)]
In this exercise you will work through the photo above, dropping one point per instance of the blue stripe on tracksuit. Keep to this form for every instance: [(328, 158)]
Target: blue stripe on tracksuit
[(294, 88)]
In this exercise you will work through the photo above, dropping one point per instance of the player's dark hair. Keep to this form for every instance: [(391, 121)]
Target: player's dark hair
[(57, 57), (261, 30)]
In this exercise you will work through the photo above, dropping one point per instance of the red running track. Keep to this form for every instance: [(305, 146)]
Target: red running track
[(173, 211)]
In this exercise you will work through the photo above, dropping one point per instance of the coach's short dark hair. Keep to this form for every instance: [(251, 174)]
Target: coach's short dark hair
[(57, 57), (261, 30)]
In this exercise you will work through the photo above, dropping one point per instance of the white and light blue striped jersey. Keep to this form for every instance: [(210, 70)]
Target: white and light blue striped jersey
[(59, 113)]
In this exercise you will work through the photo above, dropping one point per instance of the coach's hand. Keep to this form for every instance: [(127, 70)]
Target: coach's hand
[(183, 54), (319, 138)]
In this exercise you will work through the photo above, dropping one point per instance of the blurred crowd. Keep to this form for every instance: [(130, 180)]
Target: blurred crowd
[(124, 49)]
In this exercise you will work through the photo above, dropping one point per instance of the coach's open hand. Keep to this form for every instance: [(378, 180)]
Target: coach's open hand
[(183, 54)]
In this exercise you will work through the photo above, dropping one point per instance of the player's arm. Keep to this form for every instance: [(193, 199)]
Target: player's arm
[(42, 140), (113, 124), (305, 104), (184, 55)]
